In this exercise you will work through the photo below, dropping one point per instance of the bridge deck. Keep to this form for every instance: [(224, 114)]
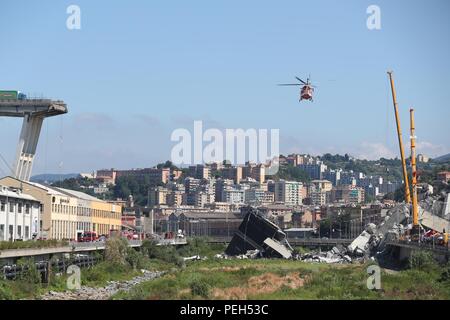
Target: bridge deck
[(76, 247), (36, 107), (419, 246), (295, 241)]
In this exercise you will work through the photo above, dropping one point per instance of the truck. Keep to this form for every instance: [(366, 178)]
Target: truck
[(12, 95), (88, 236)]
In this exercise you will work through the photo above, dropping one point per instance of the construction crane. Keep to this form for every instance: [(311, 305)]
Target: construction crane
[(400, 141), (415, 207)]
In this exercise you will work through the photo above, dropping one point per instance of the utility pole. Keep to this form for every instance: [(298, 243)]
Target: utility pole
[(414, 175), (400, 141)]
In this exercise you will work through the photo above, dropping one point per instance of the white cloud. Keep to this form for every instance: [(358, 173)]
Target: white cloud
[(372, 151), (430, 149)]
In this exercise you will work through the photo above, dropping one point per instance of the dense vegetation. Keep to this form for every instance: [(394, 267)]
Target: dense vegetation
[(290, 173), (5, 245)]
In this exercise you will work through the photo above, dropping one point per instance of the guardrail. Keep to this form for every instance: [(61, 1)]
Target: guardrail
[(73, 247)]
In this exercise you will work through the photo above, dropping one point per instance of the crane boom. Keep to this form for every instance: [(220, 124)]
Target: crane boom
[(400, 142)]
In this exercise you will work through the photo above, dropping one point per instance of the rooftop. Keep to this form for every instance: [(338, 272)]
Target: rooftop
[(14, 193)]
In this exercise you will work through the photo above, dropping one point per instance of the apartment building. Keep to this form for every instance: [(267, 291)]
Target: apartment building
[(315, 171), (233, 196), (199, 171), (155, 176), (259, 196), (288, 192), (233, 173), (348, 194)]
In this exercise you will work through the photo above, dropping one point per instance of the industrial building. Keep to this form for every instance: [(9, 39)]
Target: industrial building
[(205, 224), (66, 214)]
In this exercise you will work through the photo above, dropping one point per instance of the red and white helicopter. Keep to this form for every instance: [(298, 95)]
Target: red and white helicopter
[(307, 90)]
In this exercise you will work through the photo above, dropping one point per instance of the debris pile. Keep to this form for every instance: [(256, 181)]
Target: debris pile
[(336, 255), (258, 237), (369, 242)]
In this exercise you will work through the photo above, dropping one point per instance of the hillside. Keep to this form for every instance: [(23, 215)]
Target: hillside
[(53, 177)]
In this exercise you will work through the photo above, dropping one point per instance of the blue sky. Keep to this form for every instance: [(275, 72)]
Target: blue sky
[(137, 70)]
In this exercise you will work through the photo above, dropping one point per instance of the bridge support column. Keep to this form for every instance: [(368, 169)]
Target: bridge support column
[(26, 149)]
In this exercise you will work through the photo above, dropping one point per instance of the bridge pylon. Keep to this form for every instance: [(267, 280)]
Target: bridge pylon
[(33, 112)]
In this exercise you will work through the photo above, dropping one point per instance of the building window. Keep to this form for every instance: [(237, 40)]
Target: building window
[(27, 208), (11, 231), (19, 207), (11, 207), (19, 232), (2, 206), (27, 232), (2, 231)]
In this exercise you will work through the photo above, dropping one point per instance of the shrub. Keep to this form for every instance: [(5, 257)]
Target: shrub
[(135, 259), (165, 253), (200, 288), (116, 251), (29, 272), (422, 260), (5, 292)]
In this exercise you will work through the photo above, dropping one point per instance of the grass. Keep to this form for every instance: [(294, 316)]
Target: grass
[(320, 281)]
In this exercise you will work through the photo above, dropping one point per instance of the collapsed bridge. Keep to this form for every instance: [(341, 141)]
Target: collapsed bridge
[(33, 112)]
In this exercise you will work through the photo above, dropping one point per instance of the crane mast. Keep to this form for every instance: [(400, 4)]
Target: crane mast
[(414, 173), (400, 142)]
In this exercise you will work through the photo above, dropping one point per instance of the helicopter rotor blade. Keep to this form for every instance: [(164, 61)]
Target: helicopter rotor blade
[(300, 80), (289, 84)]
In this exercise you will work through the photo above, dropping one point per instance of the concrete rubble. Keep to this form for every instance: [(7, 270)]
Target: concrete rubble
[(368, 243), (102, 293), (258, 237), (196, 257)]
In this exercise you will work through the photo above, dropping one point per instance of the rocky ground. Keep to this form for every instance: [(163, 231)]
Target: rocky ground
[(101, 293)]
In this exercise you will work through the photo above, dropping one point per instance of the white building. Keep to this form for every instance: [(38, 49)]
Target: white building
[(288, 192), (20, 215), (258, 196), (233, 196)]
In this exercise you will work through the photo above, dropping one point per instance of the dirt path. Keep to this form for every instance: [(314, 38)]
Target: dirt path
[(265, 283)]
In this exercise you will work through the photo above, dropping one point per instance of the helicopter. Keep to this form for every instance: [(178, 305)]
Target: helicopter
[(307, 90)]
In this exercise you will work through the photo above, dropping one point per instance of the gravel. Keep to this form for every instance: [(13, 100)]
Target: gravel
[(101, 293)]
